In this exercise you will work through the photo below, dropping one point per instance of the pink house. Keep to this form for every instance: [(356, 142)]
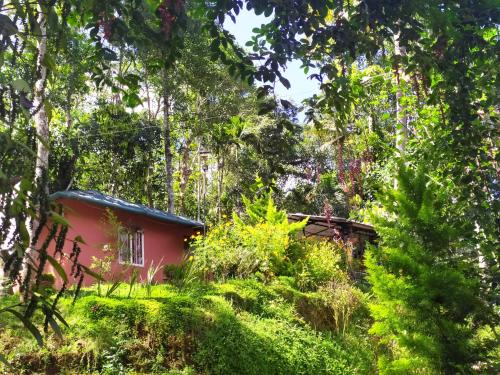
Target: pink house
[(136, 236)]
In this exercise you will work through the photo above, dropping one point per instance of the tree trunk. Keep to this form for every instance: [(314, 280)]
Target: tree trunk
[(401, 118), (42, 131), (168, 151), (198, 186), (185, 173), (147, 187), (41, 119), (220, 186)]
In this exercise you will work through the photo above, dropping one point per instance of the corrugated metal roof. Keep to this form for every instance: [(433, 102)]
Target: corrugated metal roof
[(321, 225), (100, 199)]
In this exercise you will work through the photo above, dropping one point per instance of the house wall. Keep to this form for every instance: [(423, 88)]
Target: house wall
[(163, 242)]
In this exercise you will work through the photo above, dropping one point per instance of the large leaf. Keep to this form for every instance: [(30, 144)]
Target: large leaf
[(27, 323), (80, 240), (20, 85), (89, 272), (58, 315), (54, 326), (113, 287), (58, 219), (132, 99), (57, 266)]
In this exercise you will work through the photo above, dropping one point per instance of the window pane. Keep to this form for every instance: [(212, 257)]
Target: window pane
[(123, 246), (137, 255)]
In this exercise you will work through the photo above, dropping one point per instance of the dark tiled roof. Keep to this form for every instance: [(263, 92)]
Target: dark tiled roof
[(100, 199)]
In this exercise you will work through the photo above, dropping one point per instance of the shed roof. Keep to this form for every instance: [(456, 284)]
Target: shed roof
[(323, 226), (100, 199)]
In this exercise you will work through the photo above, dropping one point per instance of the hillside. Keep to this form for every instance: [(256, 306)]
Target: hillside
[(237, 327)]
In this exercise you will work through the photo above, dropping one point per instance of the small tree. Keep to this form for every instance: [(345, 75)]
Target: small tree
[(427, 307), (102, 265)]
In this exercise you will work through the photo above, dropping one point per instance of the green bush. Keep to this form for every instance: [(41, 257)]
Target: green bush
[(344, 302), (246, 344), (174, 273), (427, 308), (96, 308), (260, 244), (320, 263)]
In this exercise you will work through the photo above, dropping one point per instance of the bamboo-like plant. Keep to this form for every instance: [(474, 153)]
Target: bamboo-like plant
[(132, 281), (150, 277)]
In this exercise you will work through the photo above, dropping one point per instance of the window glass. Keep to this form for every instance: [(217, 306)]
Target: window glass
[(131, 247), (123, 246)]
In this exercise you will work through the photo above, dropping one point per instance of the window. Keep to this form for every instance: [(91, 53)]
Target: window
[(131, 247)]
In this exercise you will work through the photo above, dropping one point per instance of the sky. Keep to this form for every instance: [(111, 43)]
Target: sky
[(301, 87)]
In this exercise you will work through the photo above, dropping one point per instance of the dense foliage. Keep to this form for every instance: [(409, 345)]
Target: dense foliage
[(429, 306)]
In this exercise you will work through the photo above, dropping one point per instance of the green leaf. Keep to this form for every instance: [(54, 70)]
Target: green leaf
[(4, 360), (57, 266), (285, 82), (92, 273), (24, 234), (58, 219), (132, 99), (54, 326), (53, 19), (21, 85), (112, 288), (27, 323), (7, 27), (79, 239), (152, 5), (58, 315), (49, 62)]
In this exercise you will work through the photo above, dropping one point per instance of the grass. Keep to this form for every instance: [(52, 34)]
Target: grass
[(237, 327)]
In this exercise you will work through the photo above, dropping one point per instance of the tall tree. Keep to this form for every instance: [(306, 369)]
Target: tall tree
[(167, 143)]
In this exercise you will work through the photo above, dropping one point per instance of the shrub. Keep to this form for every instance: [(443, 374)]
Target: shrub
[(261, 243), (174, 273), (428, 304), (247, 344), (344, 301), (127, 310), (320, 262)]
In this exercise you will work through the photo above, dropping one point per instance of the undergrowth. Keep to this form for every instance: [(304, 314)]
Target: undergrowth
[(237, 327)]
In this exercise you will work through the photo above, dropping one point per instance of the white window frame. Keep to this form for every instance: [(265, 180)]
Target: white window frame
[(131, 242)]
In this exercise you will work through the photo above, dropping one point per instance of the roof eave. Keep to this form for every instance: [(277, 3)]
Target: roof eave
[(180, 221)]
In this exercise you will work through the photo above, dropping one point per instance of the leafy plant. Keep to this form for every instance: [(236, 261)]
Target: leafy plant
[(427, 303), (320, 262), (102, 265), (112, 288), (132, 281), (260, 243), (150, 276), (344, 300), (174, 273)]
